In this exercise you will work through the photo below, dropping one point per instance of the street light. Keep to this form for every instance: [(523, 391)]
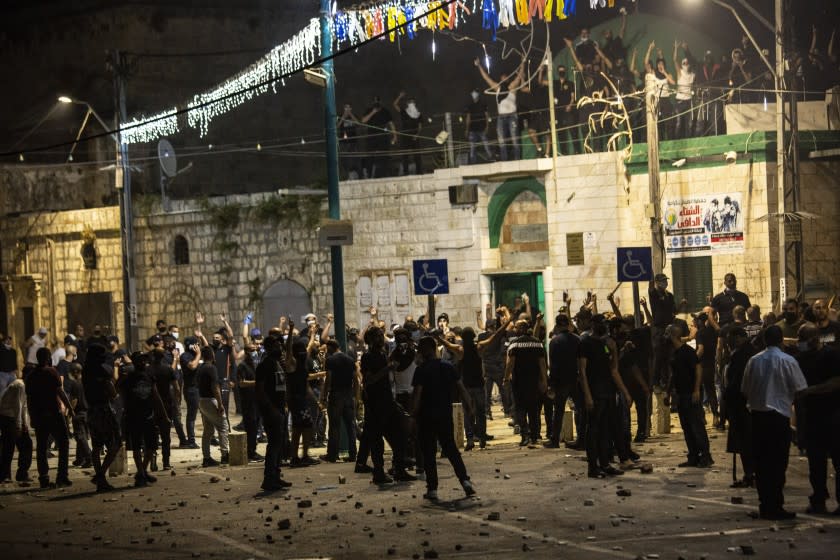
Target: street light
[(90, 111), (122, 181)]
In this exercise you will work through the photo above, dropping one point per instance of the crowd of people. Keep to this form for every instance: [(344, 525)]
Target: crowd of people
[(296, 389), (691, 88)]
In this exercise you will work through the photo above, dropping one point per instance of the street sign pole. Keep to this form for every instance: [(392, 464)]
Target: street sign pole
[(637, 309), (337, 266)]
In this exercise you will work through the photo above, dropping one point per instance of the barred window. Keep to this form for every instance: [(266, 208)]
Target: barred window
[(182, 250)]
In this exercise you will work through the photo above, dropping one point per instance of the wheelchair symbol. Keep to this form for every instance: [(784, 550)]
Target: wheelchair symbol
[(428, 279), (634, 265)]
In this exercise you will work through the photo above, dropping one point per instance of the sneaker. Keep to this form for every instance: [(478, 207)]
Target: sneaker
[(431, 495), (489, 437), (209, 462), (189, 445), (22, 477), (523, 442), (482, 443), (627, 464), (403, 476), (214, 441), (639, 438), (686, 464), (150, 478), (816, 508), (140, 481), (328, 458), (596, 473), (470, 446), (780, 515), (576, 445), (705, 463), (274, 485), (612, 471), (225, 458), (103, 486), (255, 458), (382, 478), (551, 445), (239, 427), (362, 468), (45, 483), (469, 489), (63, 483), (308, 461)]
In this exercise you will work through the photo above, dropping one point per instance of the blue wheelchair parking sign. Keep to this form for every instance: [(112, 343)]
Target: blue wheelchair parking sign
[(634, 264), (431, 277)]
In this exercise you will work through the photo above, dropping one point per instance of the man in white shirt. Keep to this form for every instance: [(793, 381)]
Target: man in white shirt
[(35, 343), (771, 380), (14, 431)]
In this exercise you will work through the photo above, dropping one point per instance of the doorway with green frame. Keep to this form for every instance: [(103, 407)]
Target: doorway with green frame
[(507, 287)]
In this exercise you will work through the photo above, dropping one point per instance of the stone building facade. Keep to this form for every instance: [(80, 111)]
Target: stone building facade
[(534, 226)]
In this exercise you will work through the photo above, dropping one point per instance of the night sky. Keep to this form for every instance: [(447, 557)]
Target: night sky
[(57, 47)]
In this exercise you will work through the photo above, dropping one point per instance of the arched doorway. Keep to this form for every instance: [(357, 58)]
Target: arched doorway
[(285, 298), (180, 309)]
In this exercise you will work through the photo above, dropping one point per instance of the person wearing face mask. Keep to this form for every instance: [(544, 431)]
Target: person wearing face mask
[(270, 396), (728, 299), (593, 85), (381, 135), (412, 124), (684, 95), (505, 90), (477, 122), (565, 110), (817, 414), (339, 400), (658, 77), (790, 322), (739, 436), (663, 312), (246, 375)]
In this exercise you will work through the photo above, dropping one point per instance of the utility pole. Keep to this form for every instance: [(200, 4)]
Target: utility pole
[(654, 212), (549, 62), (780, 149), (122, 179), (332, 172)]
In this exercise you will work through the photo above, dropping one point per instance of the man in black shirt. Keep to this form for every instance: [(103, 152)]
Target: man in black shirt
[(706, 339), (98, 378), (190, 360), (213, 412), (739, 437), (381, 135), (829, 330), (383, 418), (412, 123), (141, 402), (270, 395), (563, 376), (246, 380), (600, 379), (477, 121), (338, 397), (817, 415), (76, 394), (434, 381), (726, 301), (168, 390), (526, 369), (663, 311), (686, 380)]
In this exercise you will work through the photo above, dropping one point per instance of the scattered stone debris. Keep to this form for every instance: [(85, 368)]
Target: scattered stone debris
[(624, 492), (589, 502), (736, 500), (215, 479), (747, 550), (431, 553), (494, 516), (305, 504), (284, 524), (647, 468)]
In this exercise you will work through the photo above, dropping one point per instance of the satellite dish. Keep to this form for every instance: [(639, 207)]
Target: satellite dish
[(166, 156)]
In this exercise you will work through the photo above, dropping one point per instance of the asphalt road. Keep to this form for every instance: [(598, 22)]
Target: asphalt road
[(531, 503)]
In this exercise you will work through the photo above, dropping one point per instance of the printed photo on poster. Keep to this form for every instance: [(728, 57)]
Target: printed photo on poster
[(703, 225)]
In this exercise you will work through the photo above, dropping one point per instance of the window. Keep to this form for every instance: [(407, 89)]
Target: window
[(692, 279), (182, 250)]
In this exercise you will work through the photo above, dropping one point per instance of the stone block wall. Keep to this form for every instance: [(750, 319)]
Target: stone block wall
[(228, 271), (53, 254)]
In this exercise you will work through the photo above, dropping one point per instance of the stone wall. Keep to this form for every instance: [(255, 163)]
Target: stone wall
[(54, 188), (48, 268), (229, 270)]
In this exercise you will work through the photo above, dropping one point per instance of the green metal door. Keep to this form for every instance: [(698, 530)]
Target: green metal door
[(508, 287)]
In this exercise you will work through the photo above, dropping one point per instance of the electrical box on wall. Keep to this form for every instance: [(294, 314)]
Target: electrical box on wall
[(466, 193)]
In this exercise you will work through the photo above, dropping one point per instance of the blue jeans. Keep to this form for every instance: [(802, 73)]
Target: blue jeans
[(474, 137), (507, 131), (341, 407)]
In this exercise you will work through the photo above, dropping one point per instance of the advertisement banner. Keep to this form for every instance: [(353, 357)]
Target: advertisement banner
[(704, 225)]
